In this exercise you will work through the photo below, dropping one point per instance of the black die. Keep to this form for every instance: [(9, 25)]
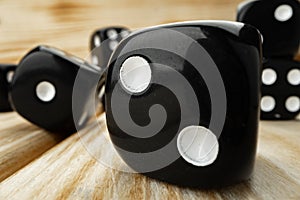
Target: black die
[(280, 89), (6, 75), (42, 89), (278, 22), (182, 102), (104, 41)]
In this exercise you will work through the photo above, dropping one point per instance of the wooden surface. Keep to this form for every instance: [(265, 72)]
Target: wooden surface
[(35, 164)]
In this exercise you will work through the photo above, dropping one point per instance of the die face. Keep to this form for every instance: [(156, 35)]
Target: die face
[(280, 89), (42, 89), (104, 41), (278, 22), (6, 75), (177, 86), (102, 44)]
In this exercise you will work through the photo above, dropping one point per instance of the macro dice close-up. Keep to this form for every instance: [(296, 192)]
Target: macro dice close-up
[(183, 77), (187, 99)]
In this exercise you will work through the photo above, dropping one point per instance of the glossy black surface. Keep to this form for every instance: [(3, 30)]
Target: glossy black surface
[(60, 69), (236, 51), (280, 38), (281, 89), (102, 53), (6, 72), (101, 49)]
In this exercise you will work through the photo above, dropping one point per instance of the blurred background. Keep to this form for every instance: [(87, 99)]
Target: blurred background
[(68, 24), (35, 164)]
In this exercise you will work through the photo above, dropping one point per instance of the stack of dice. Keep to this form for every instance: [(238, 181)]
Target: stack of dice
[(279, 24)]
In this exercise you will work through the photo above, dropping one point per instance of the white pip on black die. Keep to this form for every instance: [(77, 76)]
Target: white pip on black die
[(42, 90), (103, 43), (279, 23), (169, 91), (280, 89)]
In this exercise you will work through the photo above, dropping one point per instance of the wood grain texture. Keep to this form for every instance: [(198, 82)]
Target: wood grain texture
[(68, 171), (21, 143), (35, 164)]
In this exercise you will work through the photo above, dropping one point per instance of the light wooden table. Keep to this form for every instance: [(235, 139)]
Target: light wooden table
[(35, 164)]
